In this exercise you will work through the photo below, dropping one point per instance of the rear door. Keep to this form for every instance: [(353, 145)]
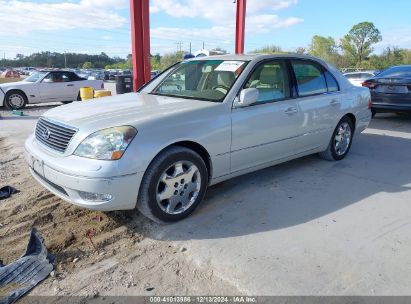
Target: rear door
[(319, 100)]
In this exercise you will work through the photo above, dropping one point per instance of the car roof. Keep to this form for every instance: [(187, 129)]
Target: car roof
[(360, 72), (400, 66)]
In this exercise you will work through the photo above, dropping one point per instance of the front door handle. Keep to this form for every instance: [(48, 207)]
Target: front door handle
[(70, 85), (291, 111), (335, 102)]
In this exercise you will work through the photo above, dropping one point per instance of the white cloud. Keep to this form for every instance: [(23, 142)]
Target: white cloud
[(27, 17), (262, 17), (216, 11)]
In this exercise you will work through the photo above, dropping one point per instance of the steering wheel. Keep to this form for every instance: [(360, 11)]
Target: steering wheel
[(221, 88)]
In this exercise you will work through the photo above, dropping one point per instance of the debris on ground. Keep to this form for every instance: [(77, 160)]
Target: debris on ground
[(19, 277), (6, 192)]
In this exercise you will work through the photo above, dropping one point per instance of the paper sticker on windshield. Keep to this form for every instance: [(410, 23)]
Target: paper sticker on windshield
[(229, 66)]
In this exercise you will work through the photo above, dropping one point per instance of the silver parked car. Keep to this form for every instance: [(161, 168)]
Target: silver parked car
[(201, 122)]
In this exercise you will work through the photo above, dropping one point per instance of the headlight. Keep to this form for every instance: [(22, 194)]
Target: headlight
[(107, 144)]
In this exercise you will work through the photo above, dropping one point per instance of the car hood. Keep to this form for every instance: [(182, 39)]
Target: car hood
[(126, 109)]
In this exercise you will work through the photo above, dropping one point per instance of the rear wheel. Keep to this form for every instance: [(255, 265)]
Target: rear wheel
[(340, 142), (373, 112), (173, 185), (15, 100)]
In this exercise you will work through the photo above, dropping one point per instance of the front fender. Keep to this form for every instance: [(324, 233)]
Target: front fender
[(2, 95)]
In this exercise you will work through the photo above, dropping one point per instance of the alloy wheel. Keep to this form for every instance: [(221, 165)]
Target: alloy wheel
[(342, 139), (178, 187)]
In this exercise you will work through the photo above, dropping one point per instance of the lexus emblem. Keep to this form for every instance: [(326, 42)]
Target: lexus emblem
[(46, 133)]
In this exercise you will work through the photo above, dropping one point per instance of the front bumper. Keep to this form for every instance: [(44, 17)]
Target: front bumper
[(123, 189), (380, 107)]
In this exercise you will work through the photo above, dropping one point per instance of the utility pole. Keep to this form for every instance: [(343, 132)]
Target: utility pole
[(65, 60), (203, 45), (179, 46), (190, 47)]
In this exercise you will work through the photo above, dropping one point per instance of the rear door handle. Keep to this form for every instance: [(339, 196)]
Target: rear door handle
[(335, 102), (291, 111), (70, 85)]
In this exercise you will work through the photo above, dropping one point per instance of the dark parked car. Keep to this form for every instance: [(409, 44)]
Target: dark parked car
[(391, 90)]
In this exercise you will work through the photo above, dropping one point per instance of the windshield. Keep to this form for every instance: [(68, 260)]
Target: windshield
[(201, 79), (404, 71), (35, 76)]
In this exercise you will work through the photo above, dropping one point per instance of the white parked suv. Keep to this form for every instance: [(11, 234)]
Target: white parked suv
[(201, 122)]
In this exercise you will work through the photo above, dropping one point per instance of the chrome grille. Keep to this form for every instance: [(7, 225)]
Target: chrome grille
[(54, 135)]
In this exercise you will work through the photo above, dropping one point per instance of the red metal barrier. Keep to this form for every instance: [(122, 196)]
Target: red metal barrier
[(240, 26), (140, 40)]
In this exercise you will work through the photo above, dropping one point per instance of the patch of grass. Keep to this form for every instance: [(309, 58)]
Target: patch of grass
[(6, 80)]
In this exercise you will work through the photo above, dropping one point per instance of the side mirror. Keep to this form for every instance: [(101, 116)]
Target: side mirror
[(247, 97)]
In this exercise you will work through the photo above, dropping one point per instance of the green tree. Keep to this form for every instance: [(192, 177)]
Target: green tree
[(301, 50), (269, 49), (359, 41), (169, 59), (88, 65), (323, 47)]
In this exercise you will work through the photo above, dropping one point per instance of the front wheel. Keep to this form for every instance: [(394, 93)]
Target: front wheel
[(173, 185), (15, 100), (340, 142)]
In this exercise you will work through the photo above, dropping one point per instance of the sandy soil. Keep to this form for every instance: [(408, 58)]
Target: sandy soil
[(96, 253)]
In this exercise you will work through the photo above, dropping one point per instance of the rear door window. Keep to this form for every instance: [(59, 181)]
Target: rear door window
[(310, 78)]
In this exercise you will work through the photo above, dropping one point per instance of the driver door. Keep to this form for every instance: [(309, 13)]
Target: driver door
[(56, 86), (267, 130)]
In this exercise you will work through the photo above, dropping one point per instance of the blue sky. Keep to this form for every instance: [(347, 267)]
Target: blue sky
[(95, 26)]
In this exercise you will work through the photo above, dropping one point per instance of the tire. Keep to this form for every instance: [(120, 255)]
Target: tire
[(15, 100), (335, 151), (166, 192), (373, 113)]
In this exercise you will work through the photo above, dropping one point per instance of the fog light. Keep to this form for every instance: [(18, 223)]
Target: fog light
[(95, 197)]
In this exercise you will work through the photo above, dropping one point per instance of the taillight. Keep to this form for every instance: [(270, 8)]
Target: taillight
[(369, 84), (369, 103), (102, 85)]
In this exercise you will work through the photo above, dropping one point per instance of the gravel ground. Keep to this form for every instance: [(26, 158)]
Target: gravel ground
[(96, 253)]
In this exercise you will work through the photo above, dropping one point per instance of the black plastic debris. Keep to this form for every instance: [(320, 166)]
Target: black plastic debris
[(21, 276), (6, 192)]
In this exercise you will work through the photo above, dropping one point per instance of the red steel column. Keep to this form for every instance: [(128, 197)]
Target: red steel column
[(240, 26), (140, 41)]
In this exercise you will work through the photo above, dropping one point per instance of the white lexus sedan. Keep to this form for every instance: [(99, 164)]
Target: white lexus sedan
[(45, 86), (201, 122)]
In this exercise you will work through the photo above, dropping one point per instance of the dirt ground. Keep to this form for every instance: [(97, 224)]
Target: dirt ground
[(96, 253)]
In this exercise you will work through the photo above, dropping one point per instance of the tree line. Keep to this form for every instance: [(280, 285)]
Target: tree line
[(354, 50), (61, 60)]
